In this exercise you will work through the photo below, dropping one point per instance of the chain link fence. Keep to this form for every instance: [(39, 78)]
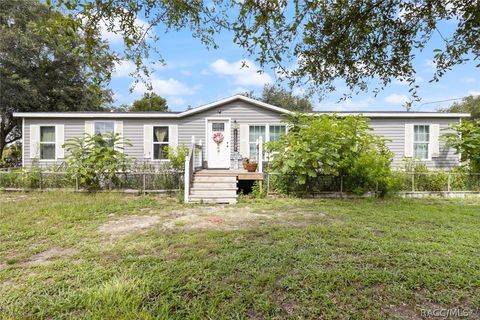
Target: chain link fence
[(148, 182)]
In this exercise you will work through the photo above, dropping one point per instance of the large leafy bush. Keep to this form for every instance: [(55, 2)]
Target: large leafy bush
[(95, 159), (466, 140), (329, 145)]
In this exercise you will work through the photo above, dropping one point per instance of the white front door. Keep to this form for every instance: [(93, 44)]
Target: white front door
[(218, 143)]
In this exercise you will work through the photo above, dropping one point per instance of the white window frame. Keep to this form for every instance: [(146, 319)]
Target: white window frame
[(40, 142), (267, 134), (428, 142), (100, 121), (160, 143)]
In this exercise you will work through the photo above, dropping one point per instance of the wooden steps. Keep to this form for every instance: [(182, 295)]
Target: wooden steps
[(211, 186)]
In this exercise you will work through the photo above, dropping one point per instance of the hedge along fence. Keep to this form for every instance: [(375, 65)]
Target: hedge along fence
[(151, 182), (433, 181)]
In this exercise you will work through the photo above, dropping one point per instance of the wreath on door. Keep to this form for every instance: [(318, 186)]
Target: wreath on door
[(218, 137)]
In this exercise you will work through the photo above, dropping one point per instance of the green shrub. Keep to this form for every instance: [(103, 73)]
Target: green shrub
[(95, 160), (177, 157), (324, 148)]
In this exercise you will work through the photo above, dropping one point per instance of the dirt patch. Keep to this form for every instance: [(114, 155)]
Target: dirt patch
[(124, 226), (47, 257), (201, 218)]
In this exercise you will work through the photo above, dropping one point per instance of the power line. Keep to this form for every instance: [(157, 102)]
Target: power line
[(432, 102)]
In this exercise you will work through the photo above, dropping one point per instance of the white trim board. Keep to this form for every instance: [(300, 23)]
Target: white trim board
[(167, 115)]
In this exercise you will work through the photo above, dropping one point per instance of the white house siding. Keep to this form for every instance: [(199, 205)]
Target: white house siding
[(394, 130), (240, 111), (244, 113), (72, 128)]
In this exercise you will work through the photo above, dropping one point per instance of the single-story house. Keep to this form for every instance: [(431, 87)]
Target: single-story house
[(237, 121)]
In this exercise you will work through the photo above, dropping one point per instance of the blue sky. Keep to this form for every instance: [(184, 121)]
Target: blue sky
[(194, 75)]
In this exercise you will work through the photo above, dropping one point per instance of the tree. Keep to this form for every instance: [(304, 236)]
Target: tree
[(363, 42), (466, 140), (282, 98), (41, 73), (470, 104), (150, 102)]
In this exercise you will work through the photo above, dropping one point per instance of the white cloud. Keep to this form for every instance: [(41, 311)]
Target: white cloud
[(124, 68), (469, 80), (177, 102), (396, 98), (166, 87), (474, 93), (242, 72)]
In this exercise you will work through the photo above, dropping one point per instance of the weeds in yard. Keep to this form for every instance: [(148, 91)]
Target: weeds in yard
[(282, 258)]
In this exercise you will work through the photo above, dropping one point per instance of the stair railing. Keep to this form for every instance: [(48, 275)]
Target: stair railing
[(193, 163), (260, 154)]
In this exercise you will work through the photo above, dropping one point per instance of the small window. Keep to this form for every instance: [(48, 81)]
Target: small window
[(160, 142), (47, 143), (104, 127), (254, 133), (275, 132), (421, 141), (218, 126)]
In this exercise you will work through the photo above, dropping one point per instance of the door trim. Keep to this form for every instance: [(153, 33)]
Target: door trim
[(207, 141)]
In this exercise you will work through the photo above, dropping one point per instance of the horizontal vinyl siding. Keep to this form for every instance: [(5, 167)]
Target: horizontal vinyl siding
[(394, 131), (240, 111), (73, 128), (243, 113)]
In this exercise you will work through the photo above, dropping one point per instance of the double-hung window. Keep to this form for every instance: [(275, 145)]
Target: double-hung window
[(421, 140), (275, 132), (255, 132), (105, 128), (47, 143), (269, 133), (160, 142)]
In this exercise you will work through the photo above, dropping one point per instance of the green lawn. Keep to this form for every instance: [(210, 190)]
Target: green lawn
[(113, 256)]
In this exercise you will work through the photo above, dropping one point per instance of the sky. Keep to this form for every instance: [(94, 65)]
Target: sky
[(194, 75)]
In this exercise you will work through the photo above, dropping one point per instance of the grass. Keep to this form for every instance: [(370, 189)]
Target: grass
[(331, 259)]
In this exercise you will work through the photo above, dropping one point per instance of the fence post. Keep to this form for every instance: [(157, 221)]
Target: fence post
[(186, 180), (268, 183), (144, 185), (449, 182), (341, 186), (76, 183), (413, 182)]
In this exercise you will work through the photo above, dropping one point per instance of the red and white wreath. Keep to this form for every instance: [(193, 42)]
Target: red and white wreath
[(218, 137)]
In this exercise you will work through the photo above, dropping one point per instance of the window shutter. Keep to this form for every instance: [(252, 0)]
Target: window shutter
[(147, 141), (118, 129), (434, 144), (89, 127), (173, 136), (408, 140), (34, 141), (244, 147), (59, 141)]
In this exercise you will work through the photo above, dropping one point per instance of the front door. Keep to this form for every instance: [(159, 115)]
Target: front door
[(218, 143)]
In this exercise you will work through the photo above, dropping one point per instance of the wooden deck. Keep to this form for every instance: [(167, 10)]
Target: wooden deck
[(240, 174)]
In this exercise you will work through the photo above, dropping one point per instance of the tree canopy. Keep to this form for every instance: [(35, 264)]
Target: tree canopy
[(43, 73), (150, 102), (283, 98), (470, 104), (366, 43)]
